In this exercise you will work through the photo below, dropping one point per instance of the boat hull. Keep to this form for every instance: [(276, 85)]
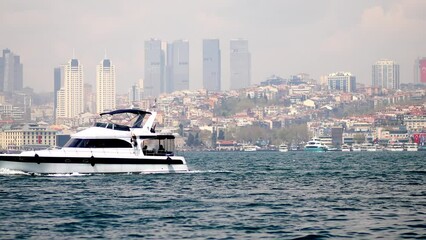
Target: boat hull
[(412, 149), (315, 150), (63, 165)]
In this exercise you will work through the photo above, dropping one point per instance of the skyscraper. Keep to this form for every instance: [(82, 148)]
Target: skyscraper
[(342, 81), (178, 66), (134, 93), (58, 76), (70, 97), (105, 86), (154, 68), (11, 72), (420, 70), (385, 74), (240, 64), (211, 65)]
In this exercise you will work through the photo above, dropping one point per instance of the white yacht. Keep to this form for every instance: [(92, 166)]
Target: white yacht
[(315, 145), (411, 147), (346, 148), (395, 147), (283, 148), (249, 148), (356, 148), (369, 147), (106, 148)]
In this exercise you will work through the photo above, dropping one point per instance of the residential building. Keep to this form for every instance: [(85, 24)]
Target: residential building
[(341, 81), (154, 68), (415, 122), (385, 74), (211, 65), (105, 86), (240, 64), (134, 94), (70, 96)]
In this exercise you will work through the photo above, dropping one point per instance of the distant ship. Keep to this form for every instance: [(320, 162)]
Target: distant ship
[(249, 148), (283, 148), (346, 148), (411, 147), (315, 145)]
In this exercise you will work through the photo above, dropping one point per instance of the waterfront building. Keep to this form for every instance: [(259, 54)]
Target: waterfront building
[(385, 74), (105, 86), (211, 65), (154, 68), (27, 136), (341, 81), (11, 72), (70, 96), (240, 64)]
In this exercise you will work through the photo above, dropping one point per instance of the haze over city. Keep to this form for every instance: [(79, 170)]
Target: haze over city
[(284, 37)]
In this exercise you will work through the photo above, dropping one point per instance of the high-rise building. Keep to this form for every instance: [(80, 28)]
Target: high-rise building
[(240, 64), (105, 86), (154, 68), (58, 78), (134, 93), (177, 66), (211, 65), (11, 72), (420, 70), (70, 96), (89, 97), (385, 74), (341, 81)]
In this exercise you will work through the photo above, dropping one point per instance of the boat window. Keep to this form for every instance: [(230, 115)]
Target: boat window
[(158, 147), (113, 126), (97, 143)]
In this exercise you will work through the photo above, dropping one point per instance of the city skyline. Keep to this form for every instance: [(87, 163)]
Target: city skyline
[(285, 37)]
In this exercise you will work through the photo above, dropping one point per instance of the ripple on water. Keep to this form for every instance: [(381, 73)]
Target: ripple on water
[(227, 195)]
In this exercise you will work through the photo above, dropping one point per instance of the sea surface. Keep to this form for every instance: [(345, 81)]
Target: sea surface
[(227, 195)]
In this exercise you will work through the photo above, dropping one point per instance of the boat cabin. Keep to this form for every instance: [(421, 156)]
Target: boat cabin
[(158, 145)]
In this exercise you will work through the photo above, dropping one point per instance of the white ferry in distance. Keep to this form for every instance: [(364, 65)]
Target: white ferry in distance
[(249, 148), (283, 148), (315, 145), (411, 147), (106, 148), (346, 148), (356, 148), (395, 147)]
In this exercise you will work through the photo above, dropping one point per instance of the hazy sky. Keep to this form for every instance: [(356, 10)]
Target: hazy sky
[(285, 37)]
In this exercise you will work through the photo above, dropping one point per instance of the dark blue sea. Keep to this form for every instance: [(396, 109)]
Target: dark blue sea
[(228, 195)]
